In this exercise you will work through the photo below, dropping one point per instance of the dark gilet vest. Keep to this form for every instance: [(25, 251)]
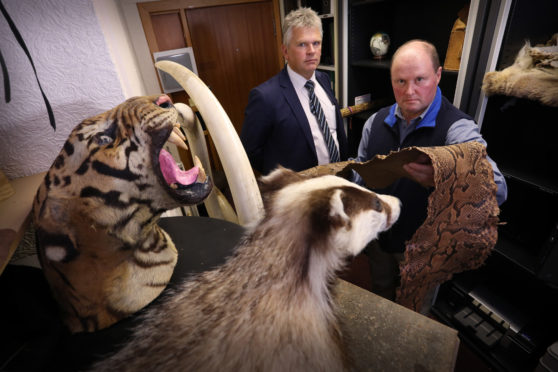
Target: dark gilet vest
[(414, 197)]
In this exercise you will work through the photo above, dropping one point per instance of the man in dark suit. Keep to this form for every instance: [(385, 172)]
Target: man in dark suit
[(282, 125)]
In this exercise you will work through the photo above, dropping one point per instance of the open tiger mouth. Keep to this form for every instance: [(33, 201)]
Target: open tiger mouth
[(188, 186), (177, 178)]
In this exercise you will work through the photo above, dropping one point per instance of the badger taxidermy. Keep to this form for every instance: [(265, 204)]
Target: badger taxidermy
[(269, 307)]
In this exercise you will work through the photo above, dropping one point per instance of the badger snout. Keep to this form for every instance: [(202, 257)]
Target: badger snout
[(392, 206)]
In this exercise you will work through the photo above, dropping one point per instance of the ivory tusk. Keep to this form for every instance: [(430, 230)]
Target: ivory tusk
[(186, 115), (198, 148), (242, 182)]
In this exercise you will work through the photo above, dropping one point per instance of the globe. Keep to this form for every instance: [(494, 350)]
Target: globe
[(379, 44)]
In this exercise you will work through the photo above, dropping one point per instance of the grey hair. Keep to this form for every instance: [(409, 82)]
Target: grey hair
[(428, 48), (301, 17)]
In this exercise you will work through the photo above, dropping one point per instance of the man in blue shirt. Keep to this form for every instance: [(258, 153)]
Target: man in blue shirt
[(421, 116)]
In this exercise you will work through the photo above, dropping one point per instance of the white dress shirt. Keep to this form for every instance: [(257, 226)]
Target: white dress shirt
[(298, 82)]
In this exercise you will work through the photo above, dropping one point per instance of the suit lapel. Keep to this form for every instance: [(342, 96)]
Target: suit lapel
[(293, 101)]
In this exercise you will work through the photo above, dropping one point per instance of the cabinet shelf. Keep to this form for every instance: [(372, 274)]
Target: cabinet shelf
[(386, 64), (401, 20), (516, 297), (366, 2), (372, 63), (546, 185), (516, 254), (326, 67)]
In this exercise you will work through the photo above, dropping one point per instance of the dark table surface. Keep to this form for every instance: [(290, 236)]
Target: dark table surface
[(32, 338), (202, 243), (382, 336)]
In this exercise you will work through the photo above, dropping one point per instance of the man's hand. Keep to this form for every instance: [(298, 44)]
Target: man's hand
[(421, 170)]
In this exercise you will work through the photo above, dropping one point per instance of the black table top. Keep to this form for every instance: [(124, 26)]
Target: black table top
[(202, 243), (39, 341)]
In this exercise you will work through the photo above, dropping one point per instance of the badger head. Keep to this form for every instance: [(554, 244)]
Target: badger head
[(332, 217)]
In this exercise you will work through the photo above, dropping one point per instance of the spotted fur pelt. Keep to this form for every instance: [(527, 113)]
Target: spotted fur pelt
[(533, 75)]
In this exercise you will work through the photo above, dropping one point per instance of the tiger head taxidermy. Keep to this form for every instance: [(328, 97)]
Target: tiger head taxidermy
[(96, 212)]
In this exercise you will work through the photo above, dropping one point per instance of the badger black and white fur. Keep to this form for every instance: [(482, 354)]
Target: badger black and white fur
[(269, 307)]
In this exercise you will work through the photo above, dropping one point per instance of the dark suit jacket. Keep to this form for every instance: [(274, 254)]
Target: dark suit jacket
[(276, 130)]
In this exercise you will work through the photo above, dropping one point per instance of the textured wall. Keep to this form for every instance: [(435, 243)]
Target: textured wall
[(75, 71)]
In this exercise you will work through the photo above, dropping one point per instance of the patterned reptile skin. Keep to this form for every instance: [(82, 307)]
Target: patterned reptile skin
[(460, 229)]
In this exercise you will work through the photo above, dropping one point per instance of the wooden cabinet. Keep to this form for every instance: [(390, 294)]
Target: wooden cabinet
[(402, 20), (514, 295), (506, 311)]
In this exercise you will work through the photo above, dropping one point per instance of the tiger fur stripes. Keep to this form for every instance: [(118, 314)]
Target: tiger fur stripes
[(269, 307), (96, 213)]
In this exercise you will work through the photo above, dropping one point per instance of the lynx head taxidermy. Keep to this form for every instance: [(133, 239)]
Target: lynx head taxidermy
[(269, 307), (96, 212)]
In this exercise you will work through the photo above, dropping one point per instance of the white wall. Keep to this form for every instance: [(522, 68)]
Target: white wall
[(113, 25), (139, 45), (81, 73)]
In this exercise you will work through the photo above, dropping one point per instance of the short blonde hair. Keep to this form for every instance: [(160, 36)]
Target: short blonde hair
[(301, 17)]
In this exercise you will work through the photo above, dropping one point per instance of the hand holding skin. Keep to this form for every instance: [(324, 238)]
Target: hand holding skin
[(421, 170)]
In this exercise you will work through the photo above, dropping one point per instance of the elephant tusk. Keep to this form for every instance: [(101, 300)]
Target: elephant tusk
[(242, 182), (186, 116)]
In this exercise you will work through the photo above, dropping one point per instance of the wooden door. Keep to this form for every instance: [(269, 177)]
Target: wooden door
[(235, 50), (236, 44)]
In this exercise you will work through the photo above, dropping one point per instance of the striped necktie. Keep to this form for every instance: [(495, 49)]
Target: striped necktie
[(319, 114)]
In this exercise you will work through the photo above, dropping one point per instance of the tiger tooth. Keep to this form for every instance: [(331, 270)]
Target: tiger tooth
[(179, 132), (175, 139), (201, 175), (197, 162)]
